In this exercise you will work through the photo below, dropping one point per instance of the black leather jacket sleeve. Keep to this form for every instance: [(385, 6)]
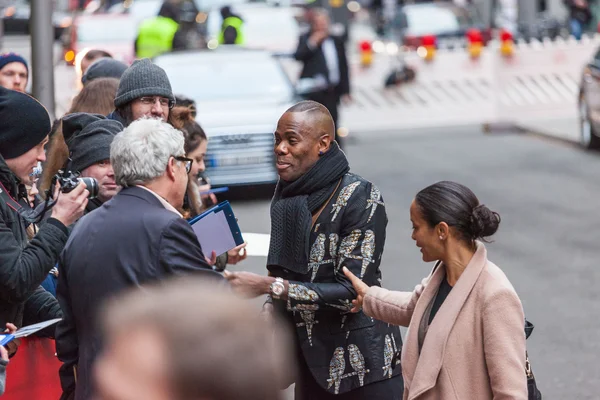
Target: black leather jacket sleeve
[(42, 306), (23, 269), (359, 250)]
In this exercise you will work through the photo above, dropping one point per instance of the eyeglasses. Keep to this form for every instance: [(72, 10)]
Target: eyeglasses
[(188, 163), (164, 102)]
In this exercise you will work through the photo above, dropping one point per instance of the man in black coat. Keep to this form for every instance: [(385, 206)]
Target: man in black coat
[(136, 238), (324, 218), (24, 129), (324, 59)]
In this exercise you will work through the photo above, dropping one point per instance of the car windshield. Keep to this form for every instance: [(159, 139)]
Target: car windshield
[(433, 20), (105, 30), (229, 79)]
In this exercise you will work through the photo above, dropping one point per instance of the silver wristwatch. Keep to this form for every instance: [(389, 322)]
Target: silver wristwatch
[(277, 288)]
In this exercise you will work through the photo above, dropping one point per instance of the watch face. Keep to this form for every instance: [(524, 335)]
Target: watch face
[(278, 289)]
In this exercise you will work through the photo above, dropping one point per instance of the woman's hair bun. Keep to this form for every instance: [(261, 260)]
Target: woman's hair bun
[(484, 222)]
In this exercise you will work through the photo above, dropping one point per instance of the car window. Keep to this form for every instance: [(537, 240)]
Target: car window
[(105, 30), (229, 79), (435, 20)]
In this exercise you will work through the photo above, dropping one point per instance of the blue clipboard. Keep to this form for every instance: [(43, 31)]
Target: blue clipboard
[(227, 212), (6, 338)]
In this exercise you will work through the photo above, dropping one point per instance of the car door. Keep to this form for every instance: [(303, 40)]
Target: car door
[(591, 89)]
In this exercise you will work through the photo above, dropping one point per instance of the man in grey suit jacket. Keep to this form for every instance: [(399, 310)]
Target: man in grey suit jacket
[(136, 238)]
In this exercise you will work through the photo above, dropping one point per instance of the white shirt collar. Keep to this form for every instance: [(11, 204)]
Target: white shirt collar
[(165, 203)]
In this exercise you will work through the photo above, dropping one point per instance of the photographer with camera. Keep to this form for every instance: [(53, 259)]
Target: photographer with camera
[(24, 128), (88, 138)]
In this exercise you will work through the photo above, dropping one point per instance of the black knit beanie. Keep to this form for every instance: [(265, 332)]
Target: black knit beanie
[(88, 137), (104, 68), (143, 78), (24, 123)]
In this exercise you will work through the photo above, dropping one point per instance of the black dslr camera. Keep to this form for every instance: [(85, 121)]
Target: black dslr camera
[(69, 181)]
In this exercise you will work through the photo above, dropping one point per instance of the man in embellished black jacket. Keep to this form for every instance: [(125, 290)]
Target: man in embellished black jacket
[(323, 218)]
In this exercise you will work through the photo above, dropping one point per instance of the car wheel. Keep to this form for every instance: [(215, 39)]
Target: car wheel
[(587, 136)]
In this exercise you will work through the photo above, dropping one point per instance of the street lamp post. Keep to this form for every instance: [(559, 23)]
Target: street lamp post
[(42, 57)]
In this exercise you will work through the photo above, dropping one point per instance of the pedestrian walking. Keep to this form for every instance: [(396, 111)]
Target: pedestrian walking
[(322, 218), (14, 72), (137, 238), (465, 322), (579, 16), (144, 91), (325, 66)]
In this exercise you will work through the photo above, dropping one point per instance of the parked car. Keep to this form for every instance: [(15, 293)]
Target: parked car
[(447, 22), (589, 104), (114, 34), (240, 95), (16, 19)]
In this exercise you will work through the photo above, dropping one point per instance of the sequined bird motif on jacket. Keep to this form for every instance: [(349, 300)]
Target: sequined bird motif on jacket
[(333, 243), (374, 201), (342, 199), (357, 361), (337, 366), (317, 254), (388, 356), (347, 246), (367, 250)]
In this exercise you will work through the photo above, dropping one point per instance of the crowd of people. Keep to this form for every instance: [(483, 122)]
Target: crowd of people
[(146, 314)]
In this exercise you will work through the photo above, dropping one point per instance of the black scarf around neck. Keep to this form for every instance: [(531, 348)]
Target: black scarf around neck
[(293, 206)]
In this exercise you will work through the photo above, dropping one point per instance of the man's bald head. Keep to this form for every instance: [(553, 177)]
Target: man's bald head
[(316, 116)]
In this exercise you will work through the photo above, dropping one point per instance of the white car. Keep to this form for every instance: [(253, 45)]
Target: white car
[(240, 95)]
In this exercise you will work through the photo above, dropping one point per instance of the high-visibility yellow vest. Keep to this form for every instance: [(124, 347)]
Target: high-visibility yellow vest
[(236, 23), (156, 36)]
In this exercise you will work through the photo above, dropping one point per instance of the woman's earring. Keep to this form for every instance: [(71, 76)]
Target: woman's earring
[(441, 238), (320, 153)]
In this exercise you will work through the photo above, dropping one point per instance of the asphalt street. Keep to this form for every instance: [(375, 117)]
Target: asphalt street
[(546, 192)]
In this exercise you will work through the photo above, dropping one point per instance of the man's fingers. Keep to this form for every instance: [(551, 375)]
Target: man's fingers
[(10, 328)]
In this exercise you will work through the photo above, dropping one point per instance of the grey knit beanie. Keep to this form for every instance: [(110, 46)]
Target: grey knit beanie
[(104, 68), (88, 137), (143, 78)]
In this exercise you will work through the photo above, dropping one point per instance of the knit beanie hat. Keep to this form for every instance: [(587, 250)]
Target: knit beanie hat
[(104, 68), (8, 58), (88, 137), (24, 123), (143, 78)]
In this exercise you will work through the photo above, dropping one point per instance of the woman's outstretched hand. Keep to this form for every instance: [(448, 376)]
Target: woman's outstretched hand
[(361, 290)]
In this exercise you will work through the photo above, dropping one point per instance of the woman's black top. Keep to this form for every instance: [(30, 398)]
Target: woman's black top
[(441, 295)]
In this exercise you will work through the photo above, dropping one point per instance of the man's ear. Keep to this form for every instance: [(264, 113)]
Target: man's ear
[(324, 143), (171, 168)]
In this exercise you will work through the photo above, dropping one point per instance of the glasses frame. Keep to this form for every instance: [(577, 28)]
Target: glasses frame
[(171, 103), (188, 162)]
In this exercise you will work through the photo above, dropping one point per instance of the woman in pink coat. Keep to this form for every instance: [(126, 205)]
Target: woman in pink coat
[(465, 322)]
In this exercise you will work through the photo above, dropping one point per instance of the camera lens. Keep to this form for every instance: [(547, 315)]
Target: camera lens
[(91, 185)]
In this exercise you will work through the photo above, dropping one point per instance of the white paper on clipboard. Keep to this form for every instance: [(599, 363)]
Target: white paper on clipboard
[(214, 234)]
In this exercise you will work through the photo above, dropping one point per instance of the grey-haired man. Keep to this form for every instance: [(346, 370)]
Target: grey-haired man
[(135, 239)]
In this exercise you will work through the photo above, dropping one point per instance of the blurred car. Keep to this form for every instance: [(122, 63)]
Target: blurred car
[(114, 34), (445, 21), (16, 19), (589, 104), (265, 27), (240, 95)]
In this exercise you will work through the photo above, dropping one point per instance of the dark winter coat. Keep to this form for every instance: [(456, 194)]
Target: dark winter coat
[(24, 265)]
